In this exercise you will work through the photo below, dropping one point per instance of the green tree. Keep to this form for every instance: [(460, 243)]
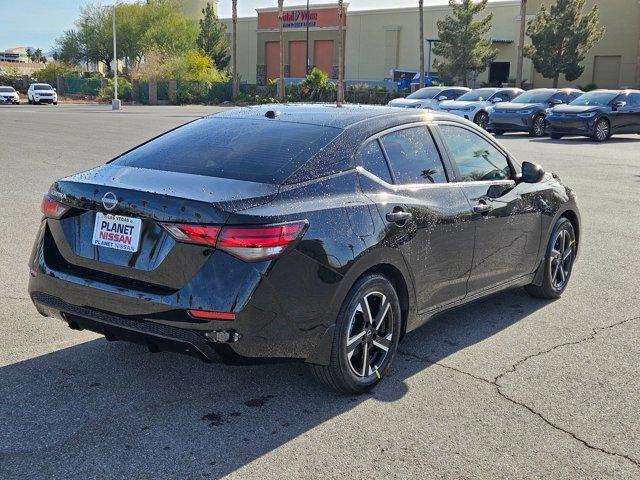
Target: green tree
[(36, 56), (561, 36), (464, 49), (212, 39)]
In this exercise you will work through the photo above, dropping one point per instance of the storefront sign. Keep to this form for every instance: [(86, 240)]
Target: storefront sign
[(298, 19)]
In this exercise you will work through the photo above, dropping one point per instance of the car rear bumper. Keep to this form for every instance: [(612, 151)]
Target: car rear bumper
[(155, 336), (263, 327)]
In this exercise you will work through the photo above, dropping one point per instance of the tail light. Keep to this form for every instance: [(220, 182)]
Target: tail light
[(52, 209), (251, 244)]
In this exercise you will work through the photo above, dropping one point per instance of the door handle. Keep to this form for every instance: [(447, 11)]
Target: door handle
[(482, 208), (399, 216)]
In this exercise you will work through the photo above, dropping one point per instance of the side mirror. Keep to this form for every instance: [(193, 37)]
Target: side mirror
[(497, 100), (555, 101), (532, 172), (442, 97), (618, 105)]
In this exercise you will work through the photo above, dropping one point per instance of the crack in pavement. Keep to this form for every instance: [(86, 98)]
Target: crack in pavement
[(495, 383)]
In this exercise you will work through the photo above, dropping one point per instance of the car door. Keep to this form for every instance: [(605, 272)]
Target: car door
[(428, 218), (506, 213), (621, 117), (633, 113)]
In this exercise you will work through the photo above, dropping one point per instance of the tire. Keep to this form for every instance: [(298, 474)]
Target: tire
[(538, 126), (498, 132), (561, 247), (55, 103), (482, 120), (556, 136), (350, 372), (29, 100), (601, 131)]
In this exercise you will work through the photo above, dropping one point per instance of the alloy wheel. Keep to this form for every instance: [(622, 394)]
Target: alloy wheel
[(370, 335), (482, 120), (561, 259), (602, 130), (538, 126)]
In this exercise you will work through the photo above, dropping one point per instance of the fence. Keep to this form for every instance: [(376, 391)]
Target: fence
[(82, 86)]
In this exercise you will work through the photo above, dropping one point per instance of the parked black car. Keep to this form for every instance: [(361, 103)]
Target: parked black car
[(528, 111), (316, 233), (598, 114)]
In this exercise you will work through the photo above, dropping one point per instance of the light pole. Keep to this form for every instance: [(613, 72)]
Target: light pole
[(115, 103), (431, 41)]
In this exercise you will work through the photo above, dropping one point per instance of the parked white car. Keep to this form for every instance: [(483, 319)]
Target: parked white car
[(42, 93), (428, 97), (474, 105), (9, 95)]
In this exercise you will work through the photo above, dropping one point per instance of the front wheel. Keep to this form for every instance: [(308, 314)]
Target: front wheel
[(365, 339), (558, 261), (538, 127), (601, 131), (482, 120)]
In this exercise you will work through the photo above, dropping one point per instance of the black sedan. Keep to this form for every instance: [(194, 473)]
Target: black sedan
[(528, 111), (598, 114), (315, 233)]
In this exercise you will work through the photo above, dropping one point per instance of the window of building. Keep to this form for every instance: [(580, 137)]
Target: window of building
[(475, 157), (413, 156)]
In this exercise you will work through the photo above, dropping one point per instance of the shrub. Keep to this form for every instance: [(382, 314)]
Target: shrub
[(125, 90), (53, 70)]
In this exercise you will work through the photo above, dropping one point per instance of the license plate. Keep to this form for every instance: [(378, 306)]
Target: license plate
[(117, 231)]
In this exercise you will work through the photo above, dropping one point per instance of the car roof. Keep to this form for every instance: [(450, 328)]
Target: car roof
[(624, 91), (329, 115)]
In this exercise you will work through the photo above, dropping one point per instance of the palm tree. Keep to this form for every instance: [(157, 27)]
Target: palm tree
[(340, 90), (234, 20), (281, 79), (421, 16), (523, 22)]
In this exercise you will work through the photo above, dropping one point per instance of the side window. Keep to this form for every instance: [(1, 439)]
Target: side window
[(475, 157), (505, 95), (413, 156), (634, 100), (371, 158)]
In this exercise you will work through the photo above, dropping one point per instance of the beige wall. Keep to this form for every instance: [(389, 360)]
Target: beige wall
[(622, 37), (369, 33), (378, 40)]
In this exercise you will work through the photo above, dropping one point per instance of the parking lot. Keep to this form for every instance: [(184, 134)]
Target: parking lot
[(510, 387)]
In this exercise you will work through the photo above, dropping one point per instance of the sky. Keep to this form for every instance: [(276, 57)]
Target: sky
[(37, 23)]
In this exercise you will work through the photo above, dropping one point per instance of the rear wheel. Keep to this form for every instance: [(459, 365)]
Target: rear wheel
[(539, 126), (482, 120), (558, 261), (366, 337), (601, 131)]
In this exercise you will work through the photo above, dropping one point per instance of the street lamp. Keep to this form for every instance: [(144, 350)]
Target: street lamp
[(115, 103), (431, 41)]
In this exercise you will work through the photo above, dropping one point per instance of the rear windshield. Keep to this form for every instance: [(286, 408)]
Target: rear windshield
[(255, 150)]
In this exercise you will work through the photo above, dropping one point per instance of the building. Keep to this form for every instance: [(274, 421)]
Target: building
[(17, 54), (383, 43), (193, 8)]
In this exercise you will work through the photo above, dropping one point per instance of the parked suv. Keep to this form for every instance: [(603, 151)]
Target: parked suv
[(527, 112), (428, 97), (473, 105), (42, 93), (598, 114), (9, 95)]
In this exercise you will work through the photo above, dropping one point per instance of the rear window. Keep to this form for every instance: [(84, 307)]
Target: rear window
[(255, 150)]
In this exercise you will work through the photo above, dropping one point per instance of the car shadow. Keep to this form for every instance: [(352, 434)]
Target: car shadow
[(113, 410), (584, 140)]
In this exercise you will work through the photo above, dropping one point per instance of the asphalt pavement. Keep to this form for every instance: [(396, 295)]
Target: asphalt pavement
[(510, 387)]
